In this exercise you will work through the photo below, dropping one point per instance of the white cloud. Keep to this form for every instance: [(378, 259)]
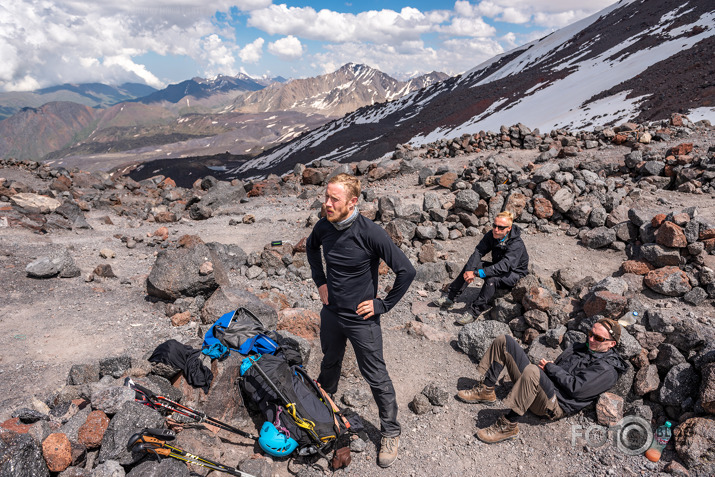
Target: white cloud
[(475, 27), (288, 48), (252, 52)]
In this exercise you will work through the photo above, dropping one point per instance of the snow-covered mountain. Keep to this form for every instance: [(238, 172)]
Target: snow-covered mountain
[(635, 60), (334, 94)]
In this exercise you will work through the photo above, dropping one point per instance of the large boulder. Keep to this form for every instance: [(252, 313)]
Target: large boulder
[(681, 383), (695, 444), (474, 339), (179, 272), (59, 262)]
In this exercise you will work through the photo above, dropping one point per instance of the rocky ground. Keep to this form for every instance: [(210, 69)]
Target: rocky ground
[(47, 325)]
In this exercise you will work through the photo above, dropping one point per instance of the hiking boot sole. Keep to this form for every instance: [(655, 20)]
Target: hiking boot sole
[(500, 440), (475, 401)]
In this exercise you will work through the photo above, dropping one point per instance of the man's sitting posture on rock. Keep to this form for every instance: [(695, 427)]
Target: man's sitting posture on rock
[(510, 262), (552, 389)]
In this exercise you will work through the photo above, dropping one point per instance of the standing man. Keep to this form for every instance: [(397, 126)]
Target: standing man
[(510, 263), (353, 247)]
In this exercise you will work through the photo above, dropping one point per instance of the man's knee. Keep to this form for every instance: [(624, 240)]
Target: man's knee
[(531, 373)]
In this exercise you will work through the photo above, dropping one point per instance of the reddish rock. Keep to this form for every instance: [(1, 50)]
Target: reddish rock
[(709, 244), (516, 203), (620, 139), (537, 298), (676, 120), (57, 451), (448, 179), (646, 380), (658, 220), (641, 359), (605, 303), (161, 232), (707, 390), (300, 322), (90, 433), (482, 208), (681, 219), (383, 269), (549, 187), (530, 335), (105, 271), (543, 208), (675, 469), (670, 235), (189, 241), (167, 183), (670, 281), (278, 301), (695, 441), (165, 217), (609, 409), (681, 149), (637, 267), (14, 424), (706, 234), (312, 176), (181, 319), (300, 246), (61, 184)]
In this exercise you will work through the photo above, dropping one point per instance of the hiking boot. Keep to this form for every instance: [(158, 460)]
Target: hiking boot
[(499, 431), (444, 302), (465, 318), (478, 394), (388, 451)]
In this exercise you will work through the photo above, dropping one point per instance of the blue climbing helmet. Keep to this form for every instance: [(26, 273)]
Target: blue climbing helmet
[(275, 443)]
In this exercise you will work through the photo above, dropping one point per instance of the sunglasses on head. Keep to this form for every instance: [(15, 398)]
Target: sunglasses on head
[(598, 338), (500, 227)]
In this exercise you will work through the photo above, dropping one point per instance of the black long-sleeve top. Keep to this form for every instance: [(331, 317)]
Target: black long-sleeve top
[(507, 256), (580, 376), (352, 257)]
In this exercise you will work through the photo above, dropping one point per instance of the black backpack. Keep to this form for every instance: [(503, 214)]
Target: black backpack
[(295, 403)]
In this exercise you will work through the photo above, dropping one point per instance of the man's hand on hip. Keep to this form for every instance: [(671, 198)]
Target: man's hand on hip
[(366, 309), (469, 276), (323, 292)]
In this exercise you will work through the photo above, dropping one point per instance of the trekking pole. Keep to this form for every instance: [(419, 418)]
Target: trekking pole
[(153, 441), (289, 406), (147, 397)]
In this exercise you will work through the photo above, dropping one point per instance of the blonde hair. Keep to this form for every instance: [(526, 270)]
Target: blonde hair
[(349, 182), (507, 214)]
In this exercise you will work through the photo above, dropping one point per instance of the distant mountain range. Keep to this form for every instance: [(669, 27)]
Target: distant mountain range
[(197, 116), (635, 60)]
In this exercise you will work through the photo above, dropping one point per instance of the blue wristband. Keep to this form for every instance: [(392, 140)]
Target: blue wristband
[(481, 273)]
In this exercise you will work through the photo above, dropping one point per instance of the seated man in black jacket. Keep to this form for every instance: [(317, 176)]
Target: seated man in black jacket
[(553, 389), (510, 263)]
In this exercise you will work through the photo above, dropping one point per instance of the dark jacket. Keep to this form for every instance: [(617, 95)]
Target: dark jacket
[(507, 255), (580, 376), (352, 257)]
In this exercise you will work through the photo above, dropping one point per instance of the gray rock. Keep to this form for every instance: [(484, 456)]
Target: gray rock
[(131, 418), (163, 468), (356, 398), (223, 194), (652, 168), (545, 172), (400, 231), (475, 338), (467, 200), (175, 273), (668, 357), (22, 456), (83, 373), (111, 468), (436, 395), (420, 404), (115, 366), (639, 217), (387, 208), (572, 337), (628, 346), (431, 273), (425, 232), (110, 400), (553, 337), (599, 237), (695, 297), (260, 467), (409, 212), (485, 189), (71, 427), (681, 382), (231, 255), (59, 262), (661, 256), (625, 381), (563, 200), (598, 217), (431, 200), (505, 310), (612, 284)]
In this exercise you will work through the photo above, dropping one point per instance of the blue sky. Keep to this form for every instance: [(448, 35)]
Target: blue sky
[(44, 42)]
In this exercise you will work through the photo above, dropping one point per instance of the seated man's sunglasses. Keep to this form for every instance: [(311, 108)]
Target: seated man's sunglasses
[(500, 227), (600, 339)]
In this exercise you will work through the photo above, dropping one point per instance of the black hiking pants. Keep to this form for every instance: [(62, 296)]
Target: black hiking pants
[(488, 290), (366, 339)]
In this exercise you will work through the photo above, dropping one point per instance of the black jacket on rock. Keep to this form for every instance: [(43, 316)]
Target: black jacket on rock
[(580, 376), (507, 255)]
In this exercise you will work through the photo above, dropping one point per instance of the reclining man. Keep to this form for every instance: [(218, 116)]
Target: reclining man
[(552, 389), (510, 263)]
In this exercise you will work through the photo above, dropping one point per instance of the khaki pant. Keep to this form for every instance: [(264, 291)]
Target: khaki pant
[(529, 380)]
